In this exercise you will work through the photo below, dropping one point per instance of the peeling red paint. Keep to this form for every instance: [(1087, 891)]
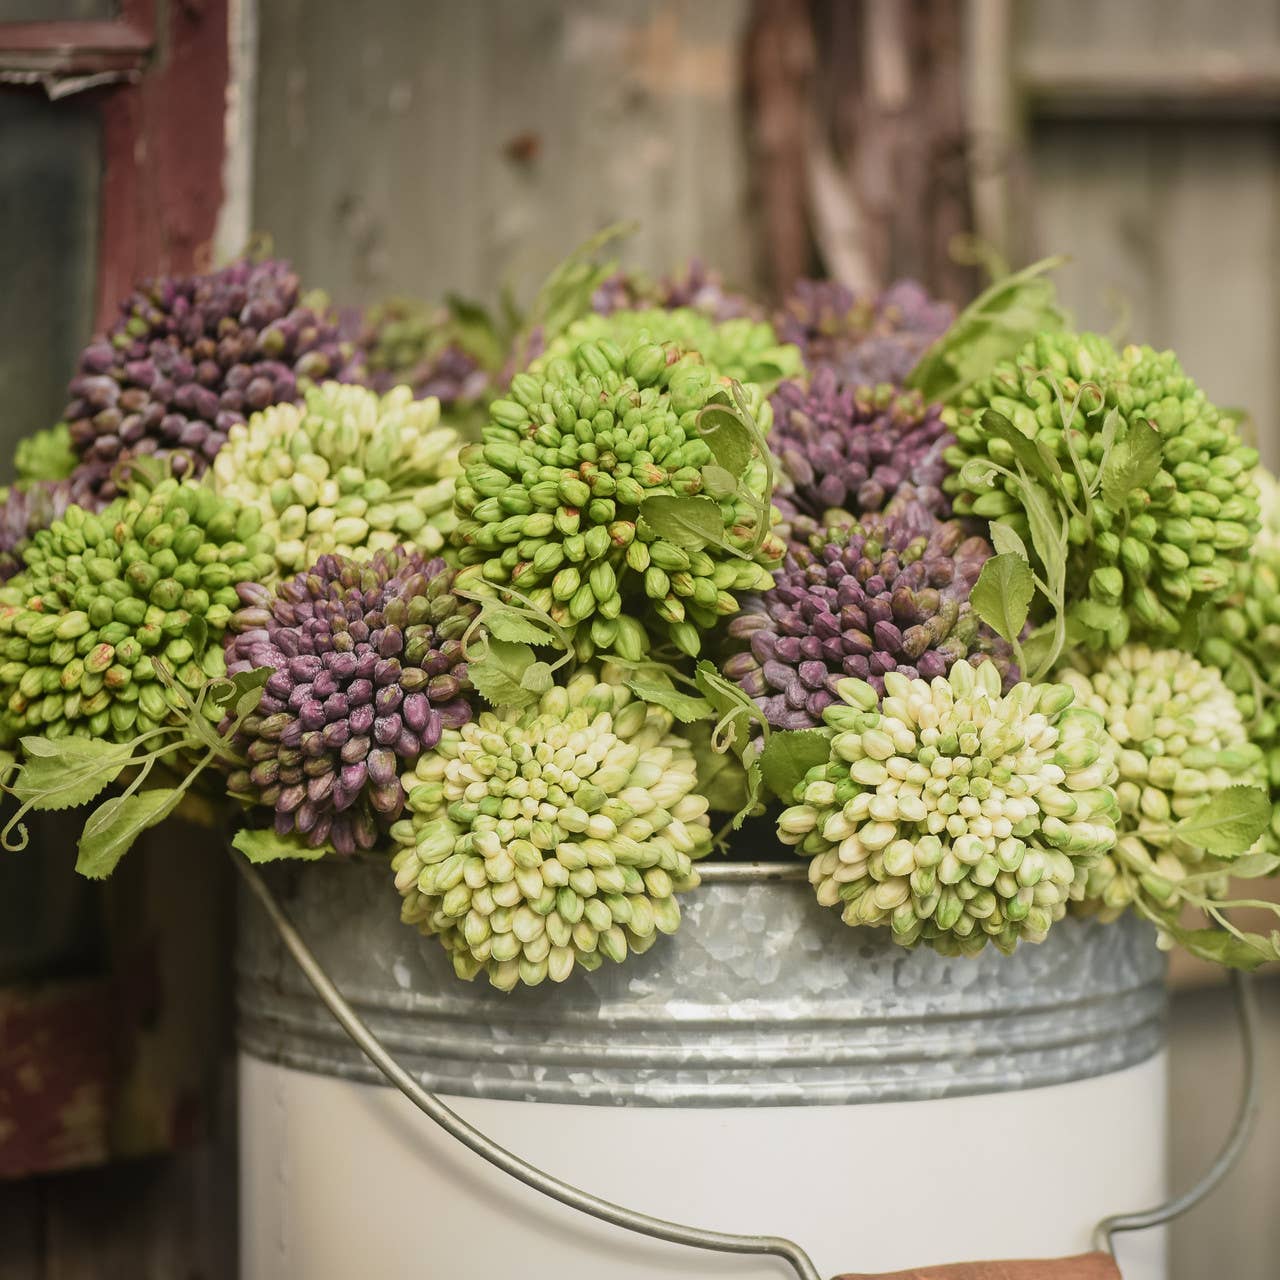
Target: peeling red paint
[(163, 141), (57, 1069)]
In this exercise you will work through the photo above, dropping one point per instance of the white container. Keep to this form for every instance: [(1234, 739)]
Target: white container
[(765, 1070)]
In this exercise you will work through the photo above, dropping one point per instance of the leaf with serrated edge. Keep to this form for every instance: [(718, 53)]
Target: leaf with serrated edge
[(1031, 453), (233, 688), (686, 522), (1095, 615), (1002, 594), (1229, 823), (498, 674), (1007, 541), (505, 623), (1048, 536), (717, 482), (267, 846), (686, 707), (728, 438), (1220, 947), (537, 678), (789, 755), (112, 828), (1133, 464), (71, 775)]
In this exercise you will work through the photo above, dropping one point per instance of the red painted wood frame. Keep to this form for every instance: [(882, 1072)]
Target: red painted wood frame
[(163, 117), (158, 76)]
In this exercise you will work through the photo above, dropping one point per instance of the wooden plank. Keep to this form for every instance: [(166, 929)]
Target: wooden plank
[(21, 1231), (439, 146), (1092, 199), (1235, 1232), (1216, 243)]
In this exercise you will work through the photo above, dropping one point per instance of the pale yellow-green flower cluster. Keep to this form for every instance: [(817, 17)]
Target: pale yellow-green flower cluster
[(1177, 737), (555, 836), (953, 813), (347, 472)]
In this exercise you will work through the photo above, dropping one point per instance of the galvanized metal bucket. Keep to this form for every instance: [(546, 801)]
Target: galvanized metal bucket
[(763, 1030), (762, 998)]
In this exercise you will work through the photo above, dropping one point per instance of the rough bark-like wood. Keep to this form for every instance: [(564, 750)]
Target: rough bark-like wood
[(861, 155), (780, 61)]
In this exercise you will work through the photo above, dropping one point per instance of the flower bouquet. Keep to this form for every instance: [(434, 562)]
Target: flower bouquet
[(976, 613)]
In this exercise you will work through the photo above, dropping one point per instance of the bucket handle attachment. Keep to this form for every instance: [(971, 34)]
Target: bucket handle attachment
[(698, 1237)]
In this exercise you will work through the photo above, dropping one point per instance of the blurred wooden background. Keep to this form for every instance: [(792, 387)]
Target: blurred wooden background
[(419, 148)]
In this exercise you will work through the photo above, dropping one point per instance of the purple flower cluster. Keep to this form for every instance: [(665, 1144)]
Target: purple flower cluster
[(692, 286), (189, 357), (368, 670), (865, 339), (852, 448), (890, 594), (408, 343), (26, 508)]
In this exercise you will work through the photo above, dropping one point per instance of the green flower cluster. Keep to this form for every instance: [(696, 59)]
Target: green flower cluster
[(1155, 481), (744, 349), (952, 813), (1177, 739), (553, 836), (555, 501), (347, 472), (45, 455), (107, 600)]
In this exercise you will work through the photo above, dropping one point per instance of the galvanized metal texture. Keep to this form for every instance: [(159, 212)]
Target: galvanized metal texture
[(762, 998)]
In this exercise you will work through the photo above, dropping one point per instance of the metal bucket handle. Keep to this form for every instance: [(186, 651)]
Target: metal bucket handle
[(697, 1237)]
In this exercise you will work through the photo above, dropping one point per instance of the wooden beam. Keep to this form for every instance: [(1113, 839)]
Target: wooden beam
[(38, 49), (1209, 85)]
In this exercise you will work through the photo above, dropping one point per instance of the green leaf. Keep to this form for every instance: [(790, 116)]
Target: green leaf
[(566, 293), (1110, 429), (1218, 946), (995, 326), (979, 473), (1037, 649), (112, 828), (1094, 615), (687, 522), (63, 773), (1002, 594), (718, 482), (506, 623), (789, 755), (728, 700), (1048, 529), (1133, 464), (1032, 454), (686, 707), (266, 846), (1250, 866), (728, 437), (498, 675), (537, 678), (1007, 541), (232, 689), (197, 632), (1228, 824)]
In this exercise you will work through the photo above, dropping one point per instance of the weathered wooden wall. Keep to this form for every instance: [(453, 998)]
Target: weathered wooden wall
[(448, 146), (1170, 209)]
